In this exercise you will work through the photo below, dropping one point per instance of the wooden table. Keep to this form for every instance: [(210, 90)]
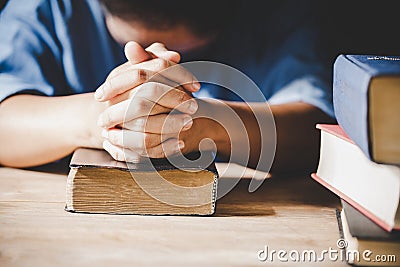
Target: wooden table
[(285, 213)]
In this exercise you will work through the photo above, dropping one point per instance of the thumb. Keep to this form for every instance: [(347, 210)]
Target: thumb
[(135, 53), (159, 50)]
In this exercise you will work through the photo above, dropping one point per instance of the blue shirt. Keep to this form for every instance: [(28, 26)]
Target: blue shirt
[(63, 47)]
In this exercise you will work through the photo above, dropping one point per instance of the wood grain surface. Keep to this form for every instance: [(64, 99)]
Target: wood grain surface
[(285, 213)]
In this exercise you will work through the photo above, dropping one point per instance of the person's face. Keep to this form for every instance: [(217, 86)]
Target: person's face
[(178, 38)]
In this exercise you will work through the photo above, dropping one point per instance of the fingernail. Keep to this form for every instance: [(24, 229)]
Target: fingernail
[(192, 106), (100, 121), (99, 93), (181, 145), (137, 124), (133, 159), (140, 122), (104, 134), (187, 122), (196, 85)]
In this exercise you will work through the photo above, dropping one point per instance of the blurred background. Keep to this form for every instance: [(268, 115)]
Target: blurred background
[(343, 26), (346, 26)]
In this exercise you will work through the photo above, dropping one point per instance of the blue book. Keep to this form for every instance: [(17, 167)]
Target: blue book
[(366, 98)]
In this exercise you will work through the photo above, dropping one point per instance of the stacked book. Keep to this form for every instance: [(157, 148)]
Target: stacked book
[(360, 157)]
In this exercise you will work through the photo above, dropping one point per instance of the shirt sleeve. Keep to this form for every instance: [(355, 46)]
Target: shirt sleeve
[(300, 75), (28, 50)]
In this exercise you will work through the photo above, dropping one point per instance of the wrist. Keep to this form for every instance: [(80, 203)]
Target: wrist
[(205, 126), (86, 112)]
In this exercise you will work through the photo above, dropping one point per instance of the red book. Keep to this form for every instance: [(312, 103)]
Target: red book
[(371, 188)]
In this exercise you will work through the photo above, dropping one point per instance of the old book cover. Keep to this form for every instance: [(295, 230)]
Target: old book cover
[(176, 186)]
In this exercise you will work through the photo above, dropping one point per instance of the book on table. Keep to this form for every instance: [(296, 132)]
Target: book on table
[(366, 243), (366, 97), (372, 188), (176, 186)]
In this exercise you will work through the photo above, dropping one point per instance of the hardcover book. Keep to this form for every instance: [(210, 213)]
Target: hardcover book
[(366, 251), (372, 188), (366, 97), (362, 227), (178, 186)]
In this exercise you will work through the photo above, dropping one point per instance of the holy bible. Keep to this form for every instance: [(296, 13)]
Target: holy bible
[(182, 185)]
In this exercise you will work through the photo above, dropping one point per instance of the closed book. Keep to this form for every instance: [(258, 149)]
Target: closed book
[(372, 188), (366, 97), (175, 186), (362, 227), (366, 252)]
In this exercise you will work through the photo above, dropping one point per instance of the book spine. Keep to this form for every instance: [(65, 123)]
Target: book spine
[(350, 100)]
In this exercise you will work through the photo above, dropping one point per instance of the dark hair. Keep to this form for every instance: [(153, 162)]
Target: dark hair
[(202, 17)]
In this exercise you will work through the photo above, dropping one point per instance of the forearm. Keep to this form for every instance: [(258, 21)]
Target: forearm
[(37, 129), (297, 140)]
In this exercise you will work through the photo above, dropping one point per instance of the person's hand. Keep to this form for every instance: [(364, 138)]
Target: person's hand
[(141, 94)]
